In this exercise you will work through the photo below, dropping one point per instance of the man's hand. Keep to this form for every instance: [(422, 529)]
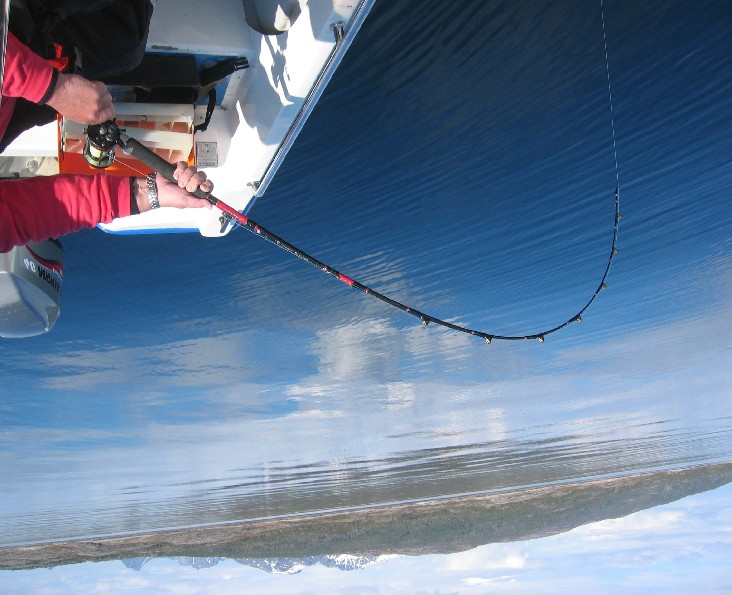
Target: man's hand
[(176, 195), (190, 178), (80, 100)]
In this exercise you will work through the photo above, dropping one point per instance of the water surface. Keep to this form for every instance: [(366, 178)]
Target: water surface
[(461, 161)]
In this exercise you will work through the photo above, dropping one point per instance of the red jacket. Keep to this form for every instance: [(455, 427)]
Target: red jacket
[(48, 206), (26, 75)]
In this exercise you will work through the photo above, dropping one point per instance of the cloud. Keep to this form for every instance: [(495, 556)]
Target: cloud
[(172, 364), (497, 557), (655, 521), (477, 582)]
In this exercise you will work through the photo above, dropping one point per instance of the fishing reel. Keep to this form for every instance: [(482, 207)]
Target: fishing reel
[(102, 141)]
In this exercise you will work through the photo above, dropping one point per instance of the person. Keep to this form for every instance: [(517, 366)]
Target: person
[(57, 53), (33, 79), (43, 207), (52, 206)]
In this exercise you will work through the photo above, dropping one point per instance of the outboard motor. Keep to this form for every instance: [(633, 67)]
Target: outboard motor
[(31, 280)]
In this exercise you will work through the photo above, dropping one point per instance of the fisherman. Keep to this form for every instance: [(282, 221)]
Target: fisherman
[(57, 52), (44, 207), (33, 91), (51, 206)]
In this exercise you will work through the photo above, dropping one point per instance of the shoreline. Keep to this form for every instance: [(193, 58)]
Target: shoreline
[(432, 526)]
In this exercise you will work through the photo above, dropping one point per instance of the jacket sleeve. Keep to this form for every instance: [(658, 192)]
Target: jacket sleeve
[(26, 75), (45, 207)]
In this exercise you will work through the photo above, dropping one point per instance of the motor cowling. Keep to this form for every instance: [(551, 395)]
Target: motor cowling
[(31, 282)]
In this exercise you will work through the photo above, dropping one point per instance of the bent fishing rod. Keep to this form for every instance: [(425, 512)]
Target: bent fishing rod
[(99, 152)]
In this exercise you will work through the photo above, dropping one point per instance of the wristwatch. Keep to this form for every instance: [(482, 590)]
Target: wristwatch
[(152, 191)]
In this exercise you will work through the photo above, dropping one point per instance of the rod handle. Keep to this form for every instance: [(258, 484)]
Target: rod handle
[(164, 168)]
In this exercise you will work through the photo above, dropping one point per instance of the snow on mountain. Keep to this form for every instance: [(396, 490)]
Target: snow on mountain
[(343, 562)]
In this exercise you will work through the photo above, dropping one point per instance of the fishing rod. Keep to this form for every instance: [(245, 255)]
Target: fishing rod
[(102, 140)]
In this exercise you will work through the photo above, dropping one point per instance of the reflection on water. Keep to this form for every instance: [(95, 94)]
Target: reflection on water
[(465, 167), (670, 547), (441, 525)]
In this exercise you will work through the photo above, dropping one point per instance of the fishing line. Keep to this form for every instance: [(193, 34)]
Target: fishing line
[(610, 96), (110, 132)]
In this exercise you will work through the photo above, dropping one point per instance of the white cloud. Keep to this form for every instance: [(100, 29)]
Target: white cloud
[(477, 582), (495, 557), (654, 520)]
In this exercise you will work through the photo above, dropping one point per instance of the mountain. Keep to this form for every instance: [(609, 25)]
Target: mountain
[(272, 565), (136, 563), (436, 526)]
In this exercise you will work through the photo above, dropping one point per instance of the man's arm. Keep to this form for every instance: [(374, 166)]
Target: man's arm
[(44, 207), (29, 76), (26, 75)]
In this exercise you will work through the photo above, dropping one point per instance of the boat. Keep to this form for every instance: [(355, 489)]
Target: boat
[(226, 85), (247, 75)]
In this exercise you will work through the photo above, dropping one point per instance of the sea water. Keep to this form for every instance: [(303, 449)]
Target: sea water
[(462, 162)]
